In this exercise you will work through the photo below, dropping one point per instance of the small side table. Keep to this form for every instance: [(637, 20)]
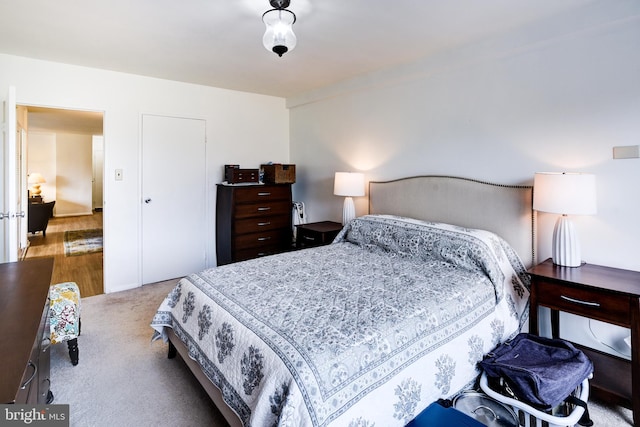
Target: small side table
[(316, 233), (607, 294)]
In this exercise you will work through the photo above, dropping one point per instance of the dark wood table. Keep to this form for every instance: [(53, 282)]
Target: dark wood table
[(316, 233), (607, 294)]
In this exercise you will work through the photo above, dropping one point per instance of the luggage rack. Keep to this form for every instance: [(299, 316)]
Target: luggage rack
[(530, 417)]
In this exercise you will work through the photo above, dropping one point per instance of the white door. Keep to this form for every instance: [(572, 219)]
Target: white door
[(21, 157), (11, 212), (173, 197)]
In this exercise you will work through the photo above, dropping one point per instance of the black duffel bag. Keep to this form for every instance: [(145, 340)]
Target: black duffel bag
[(541, 372)]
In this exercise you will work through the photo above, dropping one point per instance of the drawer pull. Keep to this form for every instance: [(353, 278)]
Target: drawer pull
[(262, 239), (309, 238), (262, 224), (46, 343), (266, 208), (577, 301), (35, 371), (265, 193)]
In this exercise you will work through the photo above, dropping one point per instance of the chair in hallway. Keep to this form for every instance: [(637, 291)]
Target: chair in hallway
[(39, 214)]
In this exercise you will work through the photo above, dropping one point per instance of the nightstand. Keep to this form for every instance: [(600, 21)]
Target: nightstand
[(607, 294), (316, 233)]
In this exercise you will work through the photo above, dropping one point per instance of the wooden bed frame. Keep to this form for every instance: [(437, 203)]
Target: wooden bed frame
[(506, 210)]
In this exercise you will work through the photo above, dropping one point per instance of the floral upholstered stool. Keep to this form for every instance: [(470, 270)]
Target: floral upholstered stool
[(64, 315)]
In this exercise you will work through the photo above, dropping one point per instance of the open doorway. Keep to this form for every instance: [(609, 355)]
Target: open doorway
[(65, 153)]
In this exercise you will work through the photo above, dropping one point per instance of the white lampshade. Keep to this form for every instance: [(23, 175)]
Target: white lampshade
[(279, 36), (36, 178), (348, 184), (565, 194)]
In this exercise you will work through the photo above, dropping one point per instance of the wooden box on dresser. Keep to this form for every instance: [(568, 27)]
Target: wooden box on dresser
[(25, 340), (252, 221)]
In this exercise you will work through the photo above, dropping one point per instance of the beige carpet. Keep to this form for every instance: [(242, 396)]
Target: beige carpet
[(125, 380)]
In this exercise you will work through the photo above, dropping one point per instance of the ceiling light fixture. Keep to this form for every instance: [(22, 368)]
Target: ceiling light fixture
[(279, 37)]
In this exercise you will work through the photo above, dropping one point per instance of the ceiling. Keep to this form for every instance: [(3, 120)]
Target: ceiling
[(67, 121), (219, 43)]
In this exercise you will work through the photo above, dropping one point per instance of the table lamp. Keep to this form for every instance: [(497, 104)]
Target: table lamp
[(565, 194), (348, 184), (35, 179)]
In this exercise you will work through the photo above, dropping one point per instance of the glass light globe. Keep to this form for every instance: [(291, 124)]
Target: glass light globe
[(279, 36)]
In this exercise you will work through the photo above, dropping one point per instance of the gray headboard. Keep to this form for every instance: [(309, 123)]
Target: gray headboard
[(506, 210)]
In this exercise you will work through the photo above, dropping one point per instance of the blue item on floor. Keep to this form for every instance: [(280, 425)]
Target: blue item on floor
[(436, 415)]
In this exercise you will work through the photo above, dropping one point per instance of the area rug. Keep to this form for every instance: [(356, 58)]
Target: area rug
[(81, 242)]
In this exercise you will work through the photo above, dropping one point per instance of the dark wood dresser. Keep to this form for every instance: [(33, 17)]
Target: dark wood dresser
[(252, 221), (25, 340)]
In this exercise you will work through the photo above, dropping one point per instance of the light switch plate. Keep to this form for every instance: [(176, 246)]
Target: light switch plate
[(118, 174), (626, 152)]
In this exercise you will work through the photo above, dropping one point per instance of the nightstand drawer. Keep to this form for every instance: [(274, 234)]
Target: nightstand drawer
[(308, 238), (316, 233), (582, 300)]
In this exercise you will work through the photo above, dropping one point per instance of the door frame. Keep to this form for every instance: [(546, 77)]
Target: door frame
[(105, 145)]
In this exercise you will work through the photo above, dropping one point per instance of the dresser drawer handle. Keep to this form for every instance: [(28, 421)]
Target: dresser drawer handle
[(309, 238), (577, 301), (27, 382), (262, 224), (262, 239), (266, 208), (266, 193)]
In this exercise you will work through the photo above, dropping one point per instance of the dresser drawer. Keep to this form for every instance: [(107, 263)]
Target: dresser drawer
[(267, 238), (268, 208), (256, 252), (586, 301), (261, 224), (260, 193)]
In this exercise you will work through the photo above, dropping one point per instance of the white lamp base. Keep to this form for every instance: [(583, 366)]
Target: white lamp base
[(348, 210), (565, 249)]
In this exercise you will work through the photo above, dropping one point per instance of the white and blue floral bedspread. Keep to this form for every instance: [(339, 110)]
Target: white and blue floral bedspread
[(366, 331)]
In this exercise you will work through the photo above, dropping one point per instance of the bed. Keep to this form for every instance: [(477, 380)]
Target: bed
[(370, 329)]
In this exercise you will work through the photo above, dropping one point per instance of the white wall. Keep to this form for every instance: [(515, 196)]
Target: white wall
[(242, 128), (74, 174), (41, 157), (550, 98), (65, 161), (497, 111)]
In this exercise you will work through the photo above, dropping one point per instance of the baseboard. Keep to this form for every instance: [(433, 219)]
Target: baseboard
[(73, 214)]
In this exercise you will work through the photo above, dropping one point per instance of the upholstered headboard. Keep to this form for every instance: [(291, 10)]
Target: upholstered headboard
[(506, 210)]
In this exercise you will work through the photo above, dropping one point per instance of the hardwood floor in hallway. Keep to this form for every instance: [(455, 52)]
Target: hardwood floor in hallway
[(85, 270)]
